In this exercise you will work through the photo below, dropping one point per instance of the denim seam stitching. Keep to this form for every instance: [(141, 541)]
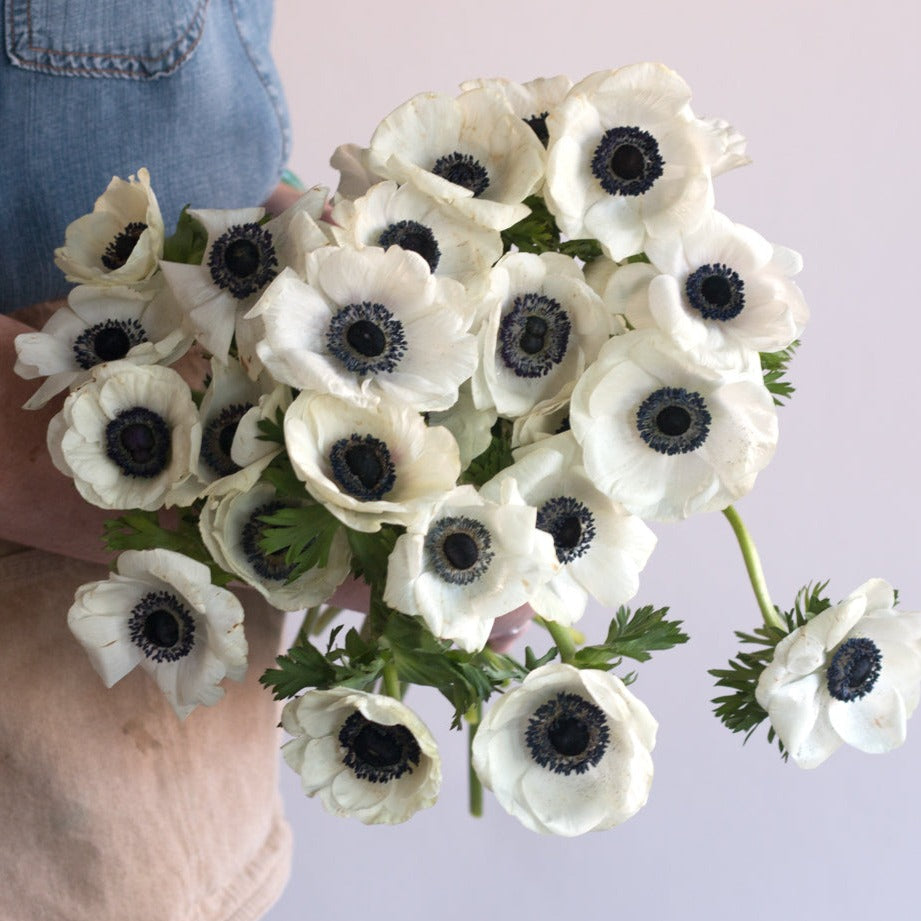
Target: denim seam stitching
[(270, 90), (196, 22)]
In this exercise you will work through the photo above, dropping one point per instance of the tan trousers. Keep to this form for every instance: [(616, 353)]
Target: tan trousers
[(111, 809)]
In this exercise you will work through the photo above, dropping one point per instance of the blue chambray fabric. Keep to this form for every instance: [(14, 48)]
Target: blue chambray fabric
[(90, 90)]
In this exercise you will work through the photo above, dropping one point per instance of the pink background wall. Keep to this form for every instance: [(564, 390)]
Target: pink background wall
[(827, 94)]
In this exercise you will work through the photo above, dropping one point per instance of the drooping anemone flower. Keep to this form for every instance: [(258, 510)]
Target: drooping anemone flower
[(160, 611), (851, 674), (363, 755), (567, 751)]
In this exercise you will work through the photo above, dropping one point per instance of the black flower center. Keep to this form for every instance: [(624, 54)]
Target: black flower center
[(716, 292), (376, 752), (627, 161), (366, 338), (463, 170), (570, 523), (534, 335), (139, 442), (567, 734), (161, 625), (243, 260), (107, 341), (458, 549), (271, 566), (415, 237), (217, 439), (538, 124), (673, 420), (122, 246), (854, 669), (362, 466)]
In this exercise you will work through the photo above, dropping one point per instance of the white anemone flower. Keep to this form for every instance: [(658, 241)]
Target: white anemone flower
[(851, 674), (568, 751), (160, 611), (544, 325), (668, 437), (129, 437), (369, 464), (243, 254), (468, 561), (628, 160), (369, 323), (363, 755), (99, 325), (120, 241), (600, 547), (716, 291), (532, 101), (391, 215), (471, 151), (232, 527)]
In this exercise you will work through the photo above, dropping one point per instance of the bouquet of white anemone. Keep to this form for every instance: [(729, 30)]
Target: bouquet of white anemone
[(463, 382)]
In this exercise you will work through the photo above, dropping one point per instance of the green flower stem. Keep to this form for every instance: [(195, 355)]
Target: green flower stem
[(307, 624), (562, 637), (755, 572), (474, 785), (392, 682)]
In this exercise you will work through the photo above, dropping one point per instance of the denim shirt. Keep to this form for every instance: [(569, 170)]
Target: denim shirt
[(91, 89)]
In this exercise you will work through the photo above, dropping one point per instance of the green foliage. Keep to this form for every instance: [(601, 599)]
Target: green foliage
[(739, 710), (536, 233), (273, 429), (635, 636), (370, 551), (586, 250), (496, 457), (304, 533), (188, 243), (404, 644), (138, 530), (774, 367)]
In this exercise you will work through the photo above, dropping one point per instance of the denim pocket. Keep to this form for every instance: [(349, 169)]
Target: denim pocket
[(127, 39)]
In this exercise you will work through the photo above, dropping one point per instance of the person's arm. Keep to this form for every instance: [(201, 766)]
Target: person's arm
[(39, 506)]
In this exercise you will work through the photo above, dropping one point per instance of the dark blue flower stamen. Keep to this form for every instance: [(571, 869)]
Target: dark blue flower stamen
[(217, 439), (458, 549), (109, 340), (673, 420), (534, 335), (538, 124), (271, 566), (568, 734), (367, 338), (716, 291), (415, 237), (243, 260), (627, 161), (377, 752), (362, 466), (122, 246), (854, 669), (570, 523), (463, 170), (161, 626), (139, 442)]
